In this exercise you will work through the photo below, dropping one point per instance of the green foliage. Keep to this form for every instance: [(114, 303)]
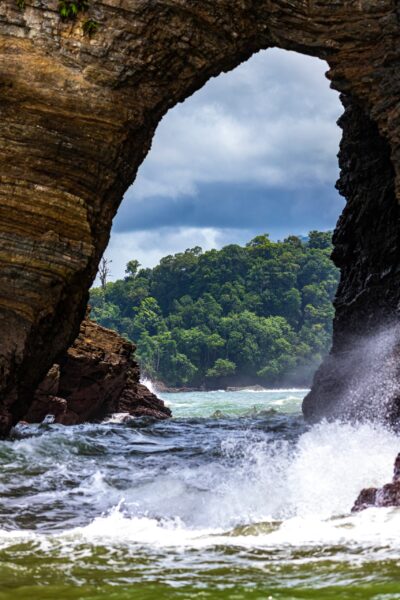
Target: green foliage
[(260, 313), (222, 368), (69, 9), (320, 239), (89, 28), (132, 269), (21, 4)]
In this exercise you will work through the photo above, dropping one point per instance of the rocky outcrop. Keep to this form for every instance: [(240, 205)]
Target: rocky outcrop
[(78, 113), (388, 495), (361, 377), (96, 377)]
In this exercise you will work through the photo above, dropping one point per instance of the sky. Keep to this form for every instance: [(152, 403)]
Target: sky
[(254, 151)]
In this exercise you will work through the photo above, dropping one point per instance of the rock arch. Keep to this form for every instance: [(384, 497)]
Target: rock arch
[(77, 117)]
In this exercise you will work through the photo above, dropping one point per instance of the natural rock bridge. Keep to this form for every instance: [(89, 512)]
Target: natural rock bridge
[(78, 114)]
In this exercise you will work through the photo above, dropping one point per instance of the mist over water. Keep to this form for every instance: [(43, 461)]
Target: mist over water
[(367, 375), (235, 497)]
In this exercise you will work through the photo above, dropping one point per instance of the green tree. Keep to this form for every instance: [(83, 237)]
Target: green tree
[(132, 268), (320, 239), (222, 368), (261, 311)]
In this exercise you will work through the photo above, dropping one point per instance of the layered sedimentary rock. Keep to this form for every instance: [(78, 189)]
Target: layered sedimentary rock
[(96, 377), (78, 114)]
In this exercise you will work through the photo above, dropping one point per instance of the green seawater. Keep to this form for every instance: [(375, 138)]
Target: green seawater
[(234, 498)]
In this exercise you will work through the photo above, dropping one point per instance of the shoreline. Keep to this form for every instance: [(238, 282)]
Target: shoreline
[(162, 388)]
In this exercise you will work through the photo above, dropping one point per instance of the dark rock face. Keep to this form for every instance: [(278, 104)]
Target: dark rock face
[(363, 368), (388, 495), (97, 377), (367, 251), (77, 117)]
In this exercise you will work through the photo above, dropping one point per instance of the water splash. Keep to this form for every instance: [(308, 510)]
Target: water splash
[(370, 368), (151, 386), (263, 492)]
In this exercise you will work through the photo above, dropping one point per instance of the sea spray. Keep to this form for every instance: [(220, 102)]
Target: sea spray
[(253, 469), (361, 382), (150, 386), (373, 391), (262, 488)]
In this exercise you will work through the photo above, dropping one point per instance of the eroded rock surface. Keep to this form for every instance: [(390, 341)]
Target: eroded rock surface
[(97, 376), (388, 495), (361, 377), (77, 117)]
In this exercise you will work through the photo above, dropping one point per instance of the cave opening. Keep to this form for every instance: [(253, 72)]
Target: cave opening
[(254, 152), (227, 158)]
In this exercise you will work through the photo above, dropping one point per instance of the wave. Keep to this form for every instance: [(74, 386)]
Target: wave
[(119, 418), (375, 529), (267, 494), (263, 491), (196, 485), (275, 391)]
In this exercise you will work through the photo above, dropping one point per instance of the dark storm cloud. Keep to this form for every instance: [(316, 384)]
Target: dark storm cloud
[(238, 206)]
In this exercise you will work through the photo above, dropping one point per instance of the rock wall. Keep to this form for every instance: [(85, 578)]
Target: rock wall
[(77, 117), (361, 376)]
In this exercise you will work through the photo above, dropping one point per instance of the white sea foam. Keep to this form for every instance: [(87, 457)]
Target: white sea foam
[(308, 490), (275, 390), (118, 418), (284, 496)]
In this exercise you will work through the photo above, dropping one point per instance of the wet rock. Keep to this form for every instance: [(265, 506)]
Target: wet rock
[(218, 414), (388, 495), (361, 376), (366, 499), (97, 376)]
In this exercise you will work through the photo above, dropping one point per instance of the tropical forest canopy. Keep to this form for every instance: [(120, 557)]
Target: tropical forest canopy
[(261, 313)]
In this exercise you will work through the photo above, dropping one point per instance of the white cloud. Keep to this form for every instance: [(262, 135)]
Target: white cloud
[(271, 121), (148, 247)]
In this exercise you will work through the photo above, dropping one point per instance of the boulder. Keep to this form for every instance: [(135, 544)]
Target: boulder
[(388, 495), (96, 377)]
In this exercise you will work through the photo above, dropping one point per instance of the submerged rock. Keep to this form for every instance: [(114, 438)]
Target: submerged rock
[(96, 377), (218, 414), (388, 495)]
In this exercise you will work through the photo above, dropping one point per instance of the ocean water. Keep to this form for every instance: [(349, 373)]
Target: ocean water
[(234, 498)]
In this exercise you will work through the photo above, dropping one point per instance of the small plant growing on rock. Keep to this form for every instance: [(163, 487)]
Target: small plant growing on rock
[(21, 4), (69, 9), (90, 27)]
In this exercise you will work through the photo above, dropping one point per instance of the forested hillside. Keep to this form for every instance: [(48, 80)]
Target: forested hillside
[(255, 314)]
